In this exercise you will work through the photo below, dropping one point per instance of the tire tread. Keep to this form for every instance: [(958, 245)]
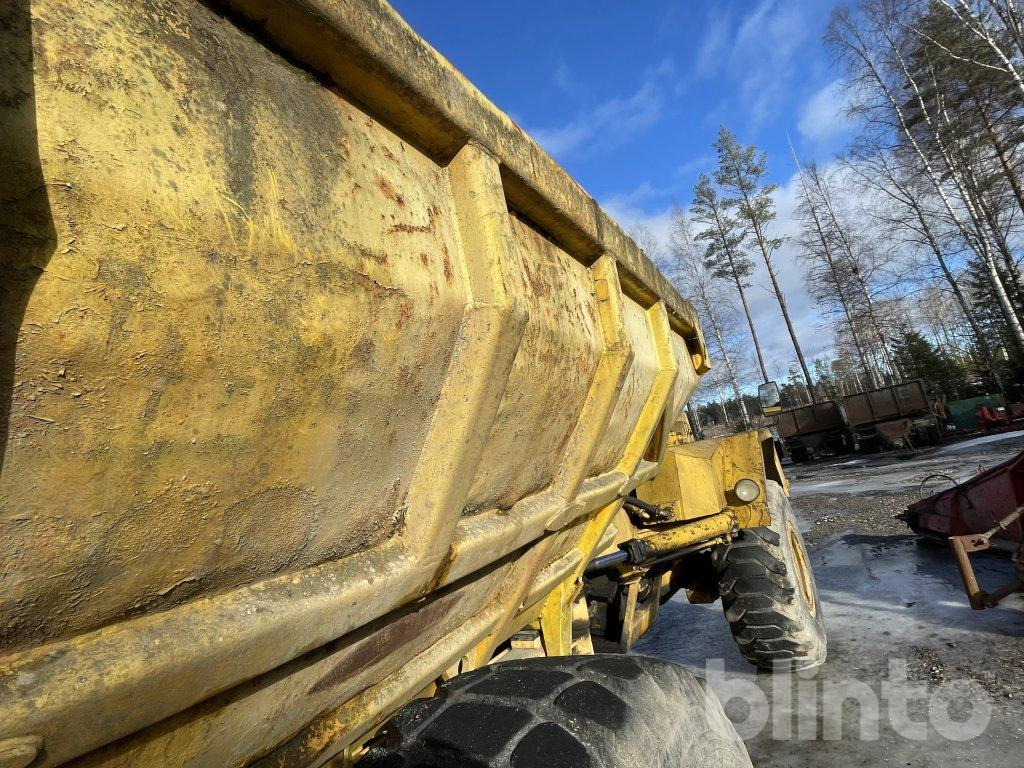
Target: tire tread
[(761, 598)]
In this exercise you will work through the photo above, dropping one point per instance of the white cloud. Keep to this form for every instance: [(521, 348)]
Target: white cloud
[(702, 163), (609, 123), (664, 68), (714, 48), (562, 77), (633, 199), (628, 208), (824, 115), (606, 125), (760, 55), (766, 45)]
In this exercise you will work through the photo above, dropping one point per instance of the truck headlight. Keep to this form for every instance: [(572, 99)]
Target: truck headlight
[(746, 490)]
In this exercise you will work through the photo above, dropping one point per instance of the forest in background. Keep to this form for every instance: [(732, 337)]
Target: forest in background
[(910, 240)]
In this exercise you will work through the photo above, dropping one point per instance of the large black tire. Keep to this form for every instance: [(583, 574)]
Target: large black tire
[(604, 711), (769, 594)]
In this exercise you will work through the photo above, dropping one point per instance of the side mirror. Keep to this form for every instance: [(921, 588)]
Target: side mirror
[(770, 398)]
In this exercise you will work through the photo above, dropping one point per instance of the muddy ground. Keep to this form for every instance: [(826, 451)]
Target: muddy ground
[(899, 626)]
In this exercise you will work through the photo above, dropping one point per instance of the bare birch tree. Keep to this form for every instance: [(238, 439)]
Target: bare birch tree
[(858, 258), (691, 275), (827, 282), (880, 66), (905, 212)]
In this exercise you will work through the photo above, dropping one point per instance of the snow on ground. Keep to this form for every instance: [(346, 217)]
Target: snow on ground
[(900, 472), (973, 443)]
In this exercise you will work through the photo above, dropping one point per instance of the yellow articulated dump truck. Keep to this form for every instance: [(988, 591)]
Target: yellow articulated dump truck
[(337, 418)]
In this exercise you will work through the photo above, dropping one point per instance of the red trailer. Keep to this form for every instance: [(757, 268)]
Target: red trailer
[(981, 513), (996, 418)]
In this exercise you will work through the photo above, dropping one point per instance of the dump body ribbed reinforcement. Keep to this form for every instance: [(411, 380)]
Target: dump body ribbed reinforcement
[(316, 374)]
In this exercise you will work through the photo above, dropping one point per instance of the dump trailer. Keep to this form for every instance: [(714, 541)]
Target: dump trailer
[(336, 417), (899, 415), (983, 512), (815, 430)]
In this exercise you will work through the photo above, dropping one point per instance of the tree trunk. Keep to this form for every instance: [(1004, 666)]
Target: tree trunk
[(729, 369), (1009, 268), (750, 322), (974, 199), (868, 370), (869, 304), (789, 325), (1011, 22), (743, 297), (985, 249), (984, 35), (1000, 151), (781, 298), (979, 334)]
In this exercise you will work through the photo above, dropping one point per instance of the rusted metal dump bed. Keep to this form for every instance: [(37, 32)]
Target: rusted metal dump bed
[(317, 375), (886, 403), (810, 419), (891, 415), (811, 430)]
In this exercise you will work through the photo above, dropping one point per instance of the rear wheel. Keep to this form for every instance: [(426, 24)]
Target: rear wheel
[(604, 711), (769, 594)]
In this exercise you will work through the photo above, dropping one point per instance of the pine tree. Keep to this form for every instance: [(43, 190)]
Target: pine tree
[(919, 359), (723, 255), (1006, 357), (741, 172)]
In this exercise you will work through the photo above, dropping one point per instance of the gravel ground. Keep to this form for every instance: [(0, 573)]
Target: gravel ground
[(825, 516), (888, 600), (865, 518)]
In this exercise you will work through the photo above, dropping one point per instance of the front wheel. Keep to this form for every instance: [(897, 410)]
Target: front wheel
[(769, 594)]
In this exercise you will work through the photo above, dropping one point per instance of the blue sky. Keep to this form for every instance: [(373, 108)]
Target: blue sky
[(628, 96)]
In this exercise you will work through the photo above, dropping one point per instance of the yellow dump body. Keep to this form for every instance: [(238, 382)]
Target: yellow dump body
[(316, 376)]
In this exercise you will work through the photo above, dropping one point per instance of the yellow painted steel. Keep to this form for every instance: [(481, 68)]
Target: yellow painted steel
[(318, 380), (697, 479), (665, 539)]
